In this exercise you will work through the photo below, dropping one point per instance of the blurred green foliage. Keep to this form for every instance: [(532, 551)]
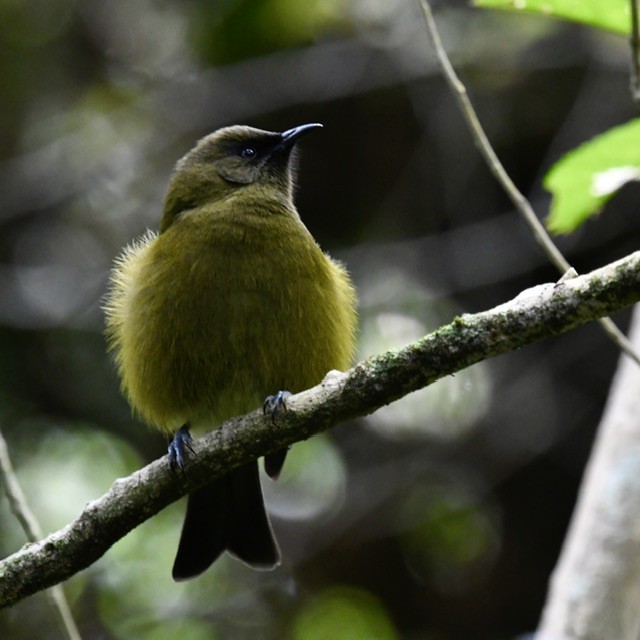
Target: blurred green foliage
[(344, 613), (614, 15), (233, 30)]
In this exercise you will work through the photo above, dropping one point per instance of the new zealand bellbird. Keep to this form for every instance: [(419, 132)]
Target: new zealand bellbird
[(231, 301)]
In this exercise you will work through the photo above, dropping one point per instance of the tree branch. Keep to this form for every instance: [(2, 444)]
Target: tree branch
[(537, 313)]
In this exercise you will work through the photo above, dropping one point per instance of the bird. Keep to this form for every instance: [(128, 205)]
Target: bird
[(230, 304)]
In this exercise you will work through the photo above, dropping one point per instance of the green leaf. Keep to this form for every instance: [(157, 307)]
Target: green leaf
[(586, 178), (613, 15)]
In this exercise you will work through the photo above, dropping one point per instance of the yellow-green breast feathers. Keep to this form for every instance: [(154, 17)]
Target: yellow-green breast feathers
[(225, 307)]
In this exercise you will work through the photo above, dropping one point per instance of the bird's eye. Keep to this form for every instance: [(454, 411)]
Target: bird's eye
[(248, 152)]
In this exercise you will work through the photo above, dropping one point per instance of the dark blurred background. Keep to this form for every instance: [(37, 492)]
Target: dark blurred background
[(439, 517)]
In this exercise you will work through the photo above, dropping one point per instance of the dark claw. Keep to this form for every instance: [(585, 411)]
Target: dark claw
[(181, 441), (273, 404)]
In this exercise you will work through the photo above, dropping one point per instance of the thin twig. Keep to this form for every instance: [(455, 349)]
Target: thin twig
[(31, 527), (635, 52), (517, 198)]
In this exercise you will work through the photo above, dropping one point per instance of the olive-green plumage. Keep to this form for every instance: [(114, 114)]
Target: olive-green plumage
[(232, 301)]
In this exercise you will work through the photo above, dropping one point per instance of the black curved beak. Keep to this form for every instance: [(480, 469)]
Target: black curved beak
[(289, 137)]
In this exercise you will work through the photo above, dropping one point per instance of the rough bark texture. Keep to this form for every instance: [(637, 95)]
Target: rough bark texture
[(537, 313)]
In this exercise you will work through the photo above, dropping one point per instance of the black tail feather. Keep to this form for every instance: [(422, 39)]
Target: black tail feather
[(206, 530), (252, 539), (227, 514), (274, 461)]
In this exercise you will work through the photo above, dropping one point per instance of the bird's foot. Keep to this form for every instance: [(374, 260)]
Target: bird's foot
[(181, 441), (276, 403)]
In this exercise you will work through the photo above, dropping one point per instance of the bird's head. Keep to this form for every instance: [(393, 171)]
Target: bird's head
[(232, 160)]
